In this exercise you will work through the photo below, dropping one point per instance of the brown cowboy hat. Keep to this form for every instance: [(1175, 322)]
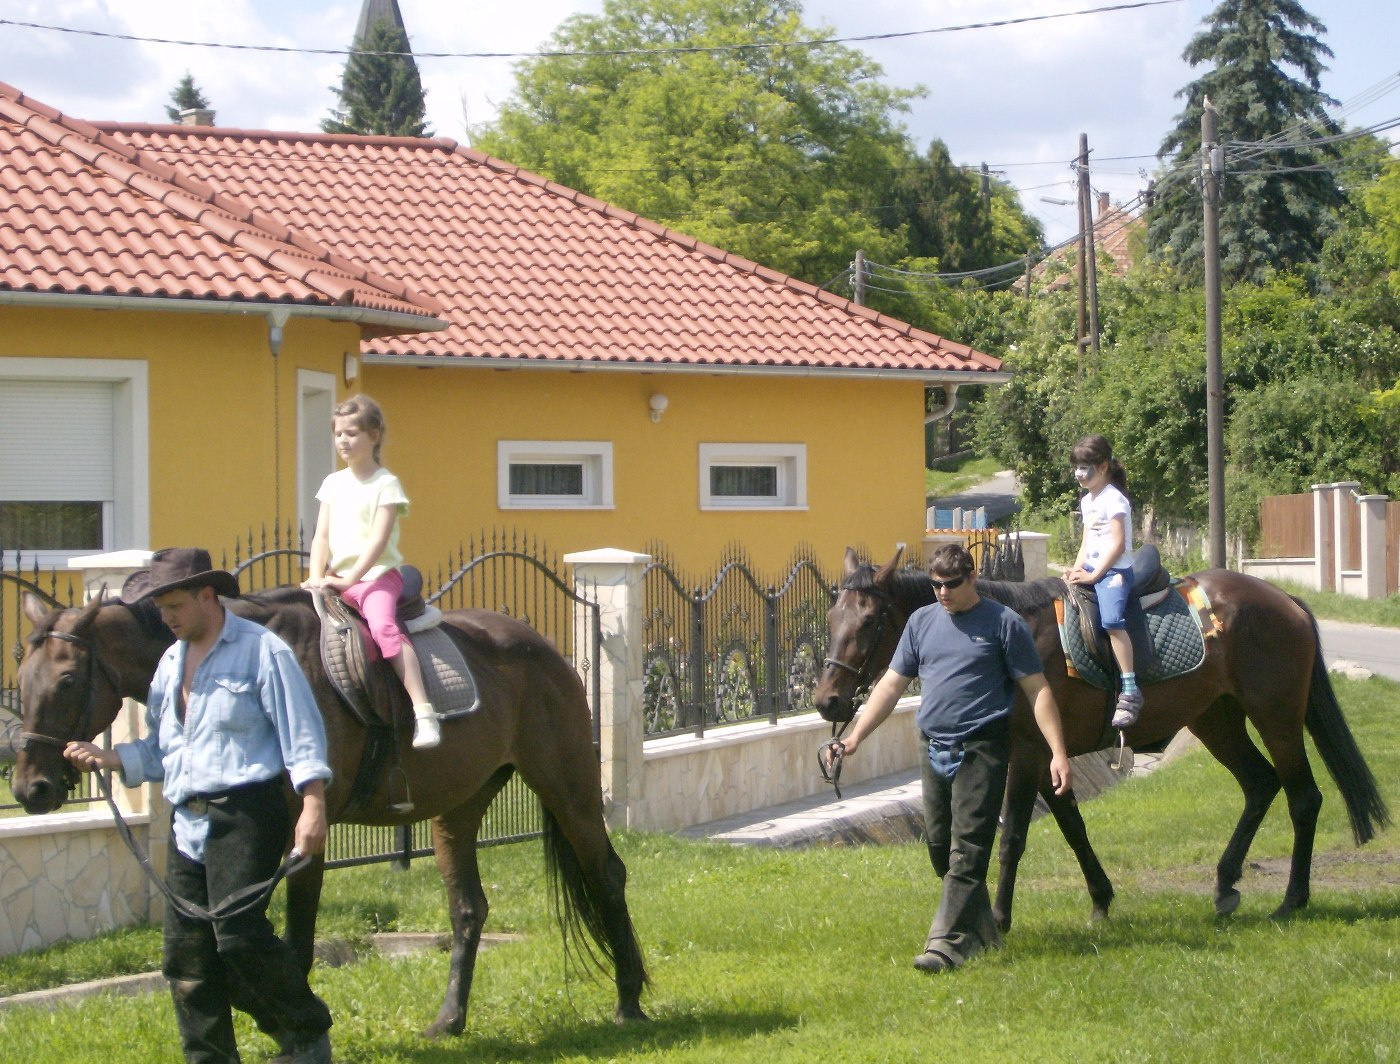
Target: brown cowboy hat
[(175, 568)]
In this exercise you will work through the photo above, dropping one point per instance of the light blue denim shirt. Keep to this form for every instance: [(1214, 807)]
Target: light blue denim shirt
[(251, 714)]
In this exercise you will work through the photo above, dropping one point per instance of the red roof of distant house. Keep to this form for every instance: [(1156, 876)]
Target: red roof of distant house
[(1113, 230), (521, 268), (82, 215)]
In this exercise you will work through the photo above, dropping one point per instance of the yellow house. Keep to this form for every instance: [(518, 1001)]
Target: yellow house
[(181, 308)]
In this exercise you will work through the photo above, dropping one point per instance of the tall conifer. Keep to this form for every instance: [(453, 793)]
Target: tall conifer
[(380, 94), (1279, 201)]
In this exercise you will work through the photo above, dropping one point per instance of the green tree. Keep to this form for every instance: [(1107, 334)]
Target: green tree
[(779, 154), (380, 94), (1277, 201), (185, 96)]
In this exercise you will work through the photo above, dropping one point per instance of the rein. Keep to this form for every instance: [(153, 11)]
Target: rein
[(236, 904)]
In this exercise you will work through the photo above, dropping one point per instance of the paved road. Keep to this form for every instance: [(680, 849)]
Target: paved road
[(1376, 648)]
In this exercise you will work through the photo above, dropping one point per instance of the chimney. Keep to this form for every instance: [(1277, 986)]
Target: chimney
[(196, 116), (1103, 196)]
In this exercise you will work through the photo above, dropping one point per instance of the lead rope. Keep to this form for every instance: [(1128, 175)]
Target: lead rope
[(243, 900)]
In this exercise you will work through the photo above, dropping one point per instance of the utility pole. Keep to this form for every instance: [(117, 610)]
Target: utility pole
[(1088, 273), (859, 280), (1212, 170), (1081, 274), (985, 187)]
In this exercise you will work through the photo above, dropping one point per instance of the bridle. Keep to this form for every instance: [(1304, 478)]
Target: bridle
[(237, 903), (834, 749), (93, 662)]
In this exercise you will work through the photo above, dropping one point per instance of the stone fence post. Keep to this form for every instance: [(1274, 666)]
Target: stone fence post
[(614, 578), (1373, 563)]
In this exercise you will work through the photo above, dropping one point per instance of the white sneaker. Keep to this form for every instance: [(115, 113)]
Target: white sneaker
[(426, 731)]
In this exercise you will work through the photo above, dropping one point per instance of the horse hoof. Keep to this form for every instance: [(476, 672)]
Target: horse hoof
[(626, 1014), (444, 1029), (1288, 908), (1098, 914), (1227, 902)]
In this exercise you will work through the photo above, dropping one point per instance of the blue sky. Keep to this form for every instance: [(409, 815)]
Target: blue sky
[(1014, 97)]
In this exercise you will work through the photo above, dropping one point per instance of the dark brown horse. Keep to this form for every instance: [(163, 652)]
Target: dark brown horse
[(1264, 668), (533, 719)]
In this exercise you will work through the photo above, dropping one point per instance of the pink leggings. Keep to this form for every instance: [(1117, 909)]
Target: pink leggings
[(378, 601)]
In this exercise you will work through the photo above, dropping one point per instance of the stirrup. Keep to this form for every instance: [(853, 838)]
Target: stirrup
[(405, 806)]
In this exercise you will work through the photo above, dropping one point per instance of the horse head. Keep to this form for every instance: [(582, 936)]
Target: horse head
[(66, 693), (864, 624)]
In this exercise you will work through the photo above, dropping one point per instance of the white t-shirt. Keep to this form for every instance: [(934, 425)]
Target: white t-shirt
[(354, 505), (1098, 512)]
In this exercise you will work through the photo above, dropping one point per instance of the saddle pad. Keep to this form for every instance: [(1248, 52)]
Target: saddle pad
[(344, 657), (449, 681), (1173, 625)]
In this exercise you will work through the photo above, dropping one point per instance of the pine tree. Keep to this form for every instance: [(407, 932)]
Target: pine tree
[(1278, 201), (380, 94), (185, 96)]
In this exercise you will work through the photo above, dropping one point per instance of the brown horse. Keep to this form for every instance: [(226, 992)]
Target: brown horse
[(1264, 668), (533, 719)]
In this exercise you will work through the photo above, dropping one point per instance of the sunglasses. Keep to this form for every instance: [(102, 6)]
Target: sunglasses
[(951, 585)]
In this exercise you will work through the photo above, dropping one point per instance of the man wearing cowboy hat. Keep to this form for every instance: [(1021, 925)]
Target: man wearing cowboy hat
[(229, 718)]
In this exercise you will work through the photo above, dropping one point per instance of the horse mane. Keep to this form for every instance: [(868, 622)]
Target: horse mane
[(911, 588), (279, 596), (1024, 598)]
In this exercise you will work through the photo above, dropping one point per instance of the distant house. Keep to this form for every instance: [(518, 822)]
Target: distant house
[(1115, 230), (182, 306)]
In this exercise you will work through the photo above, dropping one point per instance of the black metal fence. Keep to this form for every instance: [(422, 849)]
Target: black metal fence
[(502, 571), (732, 647)]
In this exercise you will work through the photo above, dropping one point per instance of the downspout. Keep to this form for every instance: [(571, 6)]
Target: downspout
[(277, 317), (950, 402)]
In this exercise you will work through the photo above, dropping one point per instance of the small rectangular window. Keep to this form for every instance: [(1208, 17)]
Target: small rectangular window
[(554, 474), (68, 526), (754, 476)]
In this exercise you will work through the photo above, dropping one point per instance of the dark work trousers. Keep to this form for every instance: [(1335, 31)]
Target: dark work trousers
[(239, 962), (960, 817)]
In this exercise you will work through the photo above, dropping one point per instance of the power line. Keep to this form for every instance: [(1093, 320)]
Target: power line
[(583, 53)]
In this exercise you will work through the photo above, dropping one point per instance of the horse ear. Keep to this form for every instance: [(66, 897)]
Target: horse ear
[(852, 561), (34, 607), (86, 618), (889, 568)]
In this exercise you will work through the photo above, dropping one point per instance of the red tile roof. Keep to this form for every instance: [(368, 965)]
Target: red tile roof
[(80, 214), (523, 269)]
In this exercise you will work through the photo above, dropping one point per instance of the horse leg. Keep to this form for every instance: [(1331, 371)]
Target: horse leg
[(1222, 730), (1290, 758), (1016, 812), (589, 877), (454, 850), (1065, 809)]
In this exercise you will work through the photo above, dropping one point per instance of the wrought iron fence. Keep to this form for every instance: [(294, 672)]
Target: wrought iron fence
[(502, 571), (732, 648)]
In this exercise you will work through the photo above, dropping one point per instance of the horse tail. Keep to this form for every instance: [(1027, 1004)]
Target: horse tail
[(1335, 744), (582, 911)]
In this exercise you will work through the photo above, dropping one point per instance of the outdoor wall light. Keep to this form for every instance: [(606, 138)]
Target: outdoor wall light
[(658, 404)]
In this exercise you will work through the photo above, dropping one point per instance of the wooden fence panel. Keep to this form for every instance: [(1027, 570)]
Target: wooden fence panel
[(1286, 526)]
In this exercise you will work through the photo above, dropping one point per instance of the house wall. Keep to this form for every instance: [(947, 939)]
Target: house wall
[(219, 412), (864, 447)]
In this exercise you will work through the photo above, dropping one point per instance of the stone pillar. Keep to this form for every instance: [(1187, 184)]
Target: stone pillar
[(1342, 492), (1035, 552), (1373, 562), (1326, 578), (614, 578)]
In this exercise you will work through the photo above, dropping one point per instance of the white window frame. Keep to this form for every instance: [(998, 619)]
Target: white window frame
[(789, 459), (126, 522), (595, 456), (316, 400)]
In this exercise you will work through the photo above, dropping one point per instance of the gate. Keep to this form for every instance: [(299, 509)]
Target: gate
[(735, 650)]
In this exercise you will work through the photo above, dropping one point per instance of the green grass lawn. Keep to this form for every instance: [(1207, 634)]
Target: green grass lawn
[(760, 955), (1335, 606)]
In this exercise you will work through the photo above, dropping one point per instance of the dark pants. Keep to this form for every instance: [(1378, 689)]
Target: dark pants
[(239, 962), (960, 818)]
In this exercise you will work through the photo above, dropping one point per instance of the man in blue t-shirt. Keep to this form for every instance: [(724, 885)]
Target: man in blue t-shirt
[(970, 655)]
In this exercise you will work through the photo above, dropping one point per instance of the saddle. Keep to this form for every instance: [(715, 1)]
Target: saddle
[(366, 683), (1168, 621)]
